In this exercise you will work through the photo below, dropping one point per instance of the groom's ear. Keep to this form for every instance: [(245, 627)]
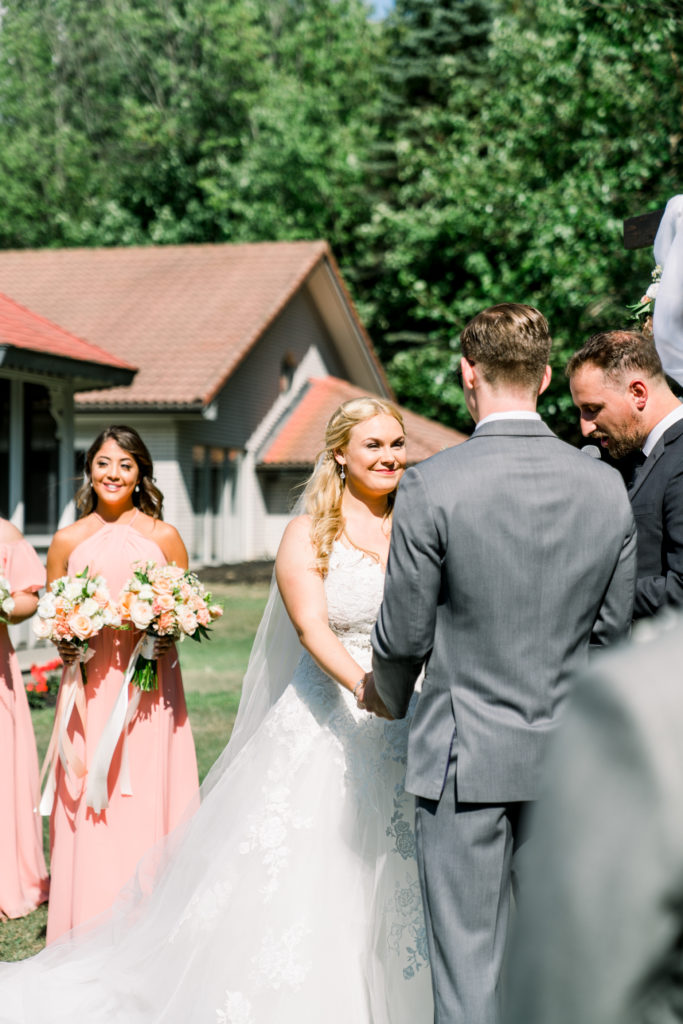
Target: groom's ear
[(468, 373), (545, 380)]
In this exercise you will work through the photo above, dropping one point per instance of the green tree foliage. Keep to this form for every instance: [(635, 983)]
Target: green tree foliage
[(106, 109), (300, 175), (183, 120), (460, 153), (514, 189), (433, 46)]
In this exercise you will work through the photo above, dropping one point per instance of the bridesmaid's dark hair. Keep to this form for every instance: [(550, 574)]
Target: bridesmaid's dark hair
[(149, 498)]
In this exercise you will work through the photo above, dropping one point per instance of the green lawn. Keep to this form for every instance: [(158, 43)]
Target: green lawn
[(212, 674)]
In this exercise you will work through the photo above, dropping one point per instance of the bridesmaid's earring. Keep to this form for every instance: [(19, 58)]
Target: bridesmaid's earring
[(342, 475), (137, 488)]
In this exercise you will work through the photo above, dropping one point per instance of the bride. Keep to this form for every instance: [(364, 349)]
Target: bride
[(292, 895)]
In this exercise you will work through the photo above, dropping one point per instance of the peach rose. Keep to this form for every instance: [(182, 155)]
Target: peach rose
[(61, 630), (187, 621), (80, 625), (166, 623), (126, 602), (164, 602)]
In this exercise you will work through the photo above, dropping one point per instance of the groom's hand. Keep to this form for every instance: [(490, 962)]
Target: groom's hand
[(371, 700)]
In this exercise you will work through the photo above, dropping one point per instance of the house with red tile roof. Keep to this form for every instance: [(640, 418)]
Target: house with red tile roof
[(41, 366), (242, 351)]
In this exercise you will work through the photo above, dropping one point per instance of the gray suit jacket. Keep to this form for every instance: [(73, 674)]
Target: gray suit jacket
[(507, 553), (600, 939)]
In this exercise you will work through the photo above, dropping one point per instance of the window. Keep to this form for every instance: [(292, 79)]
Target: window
[(287, 368), (41, 462)]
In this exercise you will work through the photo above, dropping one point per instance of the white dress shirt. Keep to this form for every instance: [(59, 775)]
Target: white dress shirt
[(514, 414), (660, 428)]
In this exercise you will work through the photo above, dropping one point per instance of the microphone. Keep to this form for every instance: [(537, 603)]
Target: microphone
[(592, 450)]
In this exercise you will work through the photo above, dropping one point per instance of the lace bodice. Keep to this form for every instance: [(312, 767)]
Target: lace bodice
[(353, 587)]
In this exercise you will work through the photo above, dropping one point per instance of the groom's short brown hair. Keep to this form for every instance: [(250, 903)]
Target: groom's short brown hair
[(511, 344)]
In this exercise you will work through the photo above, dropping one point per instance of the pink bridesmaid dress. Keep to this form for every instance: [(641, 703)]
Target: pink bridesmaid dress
[(94, 855), (23, 875)]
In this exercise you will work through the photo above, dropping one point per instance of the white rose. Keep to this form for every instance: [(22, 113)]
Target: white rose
[(90, 607), (72, 590), (146, 592), (47, 606), (8, 605), (652, 290), (41, 628), (141, 614)]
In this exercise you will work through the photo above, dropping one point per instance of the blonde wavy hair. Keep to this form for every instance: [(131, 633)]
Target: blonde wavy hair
[(322, 496)]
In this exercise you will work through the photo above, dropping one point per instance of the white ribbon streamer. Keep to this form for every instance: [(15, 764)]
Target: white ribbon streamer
[(96, 793), (60, 747)]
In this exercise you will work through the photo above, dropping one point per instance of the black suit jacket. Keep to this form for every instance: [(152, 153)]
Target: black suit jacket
[(656, 494)]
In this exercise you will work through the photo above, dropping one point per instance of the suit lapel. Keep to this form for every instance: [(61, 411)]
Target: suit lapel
[(642, 473), (671, 435)]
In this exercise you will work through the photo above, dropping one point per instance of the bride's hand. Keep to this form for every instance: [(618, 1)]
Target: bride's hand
[(369, 698)]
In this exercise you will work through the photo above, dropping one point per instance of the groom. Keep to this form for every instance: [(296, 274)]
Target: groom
[(508, 554)]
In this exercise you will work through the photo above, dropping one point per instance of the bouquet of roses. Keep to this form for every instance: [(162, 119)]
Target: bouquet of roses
[(6, 599), (164, 600), (75, 608)]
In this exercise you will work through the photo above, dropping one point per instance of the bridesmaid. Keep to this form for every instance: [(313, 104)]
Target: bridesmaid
[(23, 875), (93, 855)]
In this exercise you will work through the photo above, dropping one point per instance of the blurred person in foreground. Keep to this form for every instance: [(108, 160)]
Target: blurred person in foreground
[(601, 940)]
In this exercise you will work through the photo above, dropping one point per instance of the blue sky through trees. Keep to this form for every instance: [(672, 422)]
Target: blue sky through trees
[(382, 7)]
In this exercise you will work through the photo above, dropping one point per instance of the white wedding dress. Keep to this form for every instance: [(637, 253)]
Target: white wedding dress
[(291, 896)]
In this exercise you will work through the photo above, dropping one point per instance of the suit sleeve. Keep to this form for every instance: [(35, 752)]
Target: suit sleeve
[(654, 592), (616, 611), (404, 633)]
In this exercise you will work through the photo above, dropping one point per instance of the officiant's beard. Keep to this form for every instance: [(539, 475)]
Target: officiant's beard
[(629, 440)]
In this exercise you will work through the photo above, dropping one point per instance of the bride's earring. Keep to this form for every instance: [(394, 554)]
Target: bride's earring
[(342, 475)]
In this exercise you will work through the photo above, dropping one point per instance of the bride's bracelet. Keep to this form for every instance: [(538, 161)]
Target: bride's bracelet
[(357, 687)]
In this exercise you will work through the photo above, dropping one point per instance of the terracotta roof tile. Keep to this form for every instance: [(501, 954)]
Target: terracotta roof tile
[(22, 328), (186, 315), (299, 440)]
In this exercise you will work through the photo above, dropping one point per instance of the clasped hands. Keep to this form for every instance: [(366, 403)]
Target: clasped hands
[(369, 700)]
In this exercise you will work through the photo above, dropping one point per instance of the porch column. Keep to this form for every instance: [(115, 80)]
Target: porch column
[(16, 454), (247, 504), (207, 525), (62, 410)]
